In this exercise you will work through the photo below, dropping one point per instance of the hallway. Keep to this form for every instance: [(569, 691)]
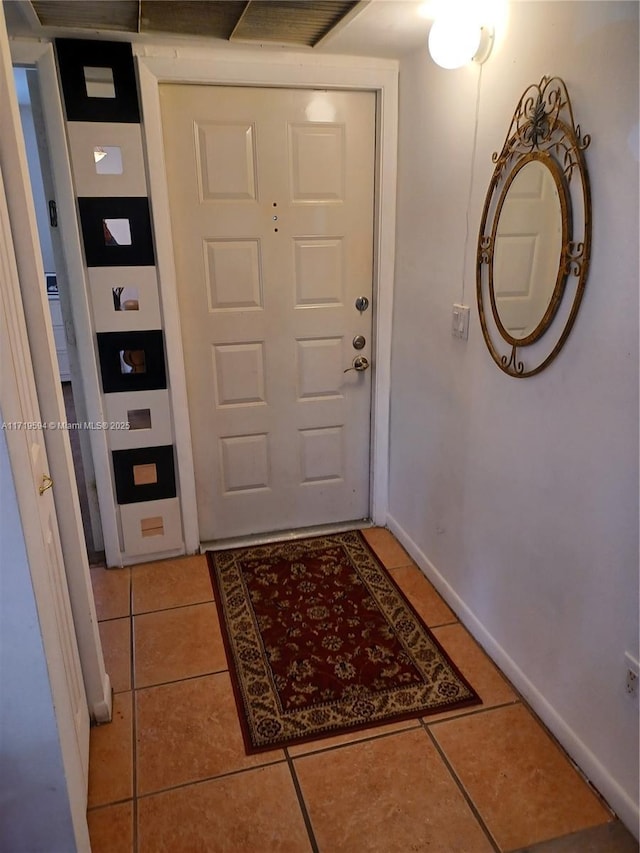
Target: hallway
[(170, 772)]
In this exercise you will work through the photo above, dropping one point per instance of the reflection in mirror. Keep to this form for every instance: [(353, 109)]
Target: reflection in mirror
[(125, 298), (132, 361), (152, 526), (108, 159), (139, 418), (145, 474), (528, 247), (99, 82), (117, 232)]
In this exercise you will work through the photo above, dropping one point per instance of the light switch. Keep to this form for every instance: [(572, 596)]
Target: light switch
[(460, 322)]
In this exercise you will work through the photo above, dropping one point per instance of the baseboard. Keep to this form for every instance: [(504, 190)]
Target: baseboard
[(623, 805), (100, 712)]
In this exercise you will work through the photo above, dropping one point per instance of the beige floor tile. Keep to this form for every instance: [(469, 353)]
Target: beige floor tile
[(477, 668), (111, 592), (188, 731), (252, 812), (170, 583), (115, 636), (352, 737), (522, 784), (387, 548), (179, 643), (429, 605), (111, 828), (393, 794), (111, 756)]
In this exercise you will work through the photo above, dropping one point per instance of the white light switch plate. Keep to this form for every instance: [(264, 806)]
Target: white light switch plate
[(460, 322)]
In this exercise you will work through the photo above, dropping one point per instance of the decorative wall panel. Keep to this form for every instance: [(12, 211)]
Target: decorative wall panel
[(103, 123), (151, 526), (131, 361), (124, 298), (98, 80), (107, 159), (144, 474), (116, 232), (148, 415)]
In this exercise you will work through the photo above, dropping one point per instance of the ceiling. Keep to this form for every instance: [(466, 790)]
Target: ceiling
[(385, 28)]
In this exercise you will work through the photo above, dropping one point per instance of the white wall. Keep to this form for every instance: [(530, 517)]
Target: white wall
[(34, 804), (520, 497)]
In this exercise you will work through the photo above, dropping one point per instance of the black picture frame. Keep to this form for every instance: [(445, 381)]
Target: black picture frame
[(111, 344), (73, 56), (93, 212), (127, 492)]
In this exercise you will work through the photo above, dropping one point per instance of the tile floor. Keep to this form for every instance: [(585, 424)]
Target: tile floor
[(169, 773)]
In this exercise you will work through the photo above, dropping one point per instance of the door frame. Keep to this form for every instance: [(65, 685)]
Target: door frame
[(161, 64)]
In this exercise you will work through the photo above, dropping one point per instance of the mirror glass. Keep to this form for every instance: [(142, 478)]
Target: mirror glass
[(528, 247), (99, 82)]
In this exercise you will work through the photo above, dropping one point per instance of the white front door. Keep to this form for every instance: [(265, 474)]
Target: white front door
[(271, 201)]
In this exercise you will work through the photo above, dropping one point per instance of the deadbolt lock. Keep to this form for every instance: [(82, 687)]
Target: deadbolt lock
[(359, 342)]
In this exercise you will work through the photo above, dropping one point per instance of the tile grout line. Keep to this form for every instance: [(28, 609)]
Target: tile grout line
[(207, 674), (158, 610), (467, 712), (226, 775), (301, 802), (463, 791), (175, 607), (134, 721)]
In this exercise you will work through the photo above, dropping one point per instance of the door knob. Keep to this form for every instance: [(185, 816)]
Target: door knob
[(360, 363), (47, 483)]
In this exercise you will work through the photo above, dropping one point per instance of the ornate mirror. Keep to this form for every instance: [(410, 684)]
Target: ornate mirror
[(535, 235)]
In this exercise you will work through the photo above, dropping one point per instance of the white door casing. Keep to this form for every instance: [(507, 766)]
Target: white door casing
[(158, 64), (271, 199)]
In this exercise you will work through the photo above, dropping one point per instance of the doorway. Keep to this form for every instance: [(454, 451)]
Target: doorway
[(58, 298), (272, 214)]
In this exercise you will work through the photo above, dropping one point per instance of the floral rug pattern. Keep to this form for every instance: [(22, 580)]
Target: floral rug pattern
[(320, 641)]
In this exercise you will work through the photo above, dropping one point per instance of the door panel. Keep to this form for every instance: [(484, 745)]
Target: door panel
[(528, 250), (272, 221)]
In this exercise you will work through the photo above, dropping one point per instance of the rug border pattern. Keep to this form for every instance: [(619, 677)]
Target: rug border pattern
[(232, 598)]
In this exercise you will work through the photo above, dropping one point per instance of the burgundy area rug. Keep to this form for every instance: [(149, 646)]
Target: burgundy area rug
[(320, 641)]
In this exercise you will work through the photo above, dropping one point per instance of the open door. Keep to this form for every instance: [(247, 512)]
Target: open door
[(33, 484), (40, 353)]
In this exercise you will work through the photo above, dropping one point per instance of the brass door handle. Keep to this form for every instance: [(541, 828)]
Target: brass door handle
[(47, 483), (359, 364)]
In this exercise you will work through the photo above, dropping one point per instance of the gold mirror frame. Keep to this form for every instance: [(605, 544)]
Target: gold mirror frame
[(543, 130)]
